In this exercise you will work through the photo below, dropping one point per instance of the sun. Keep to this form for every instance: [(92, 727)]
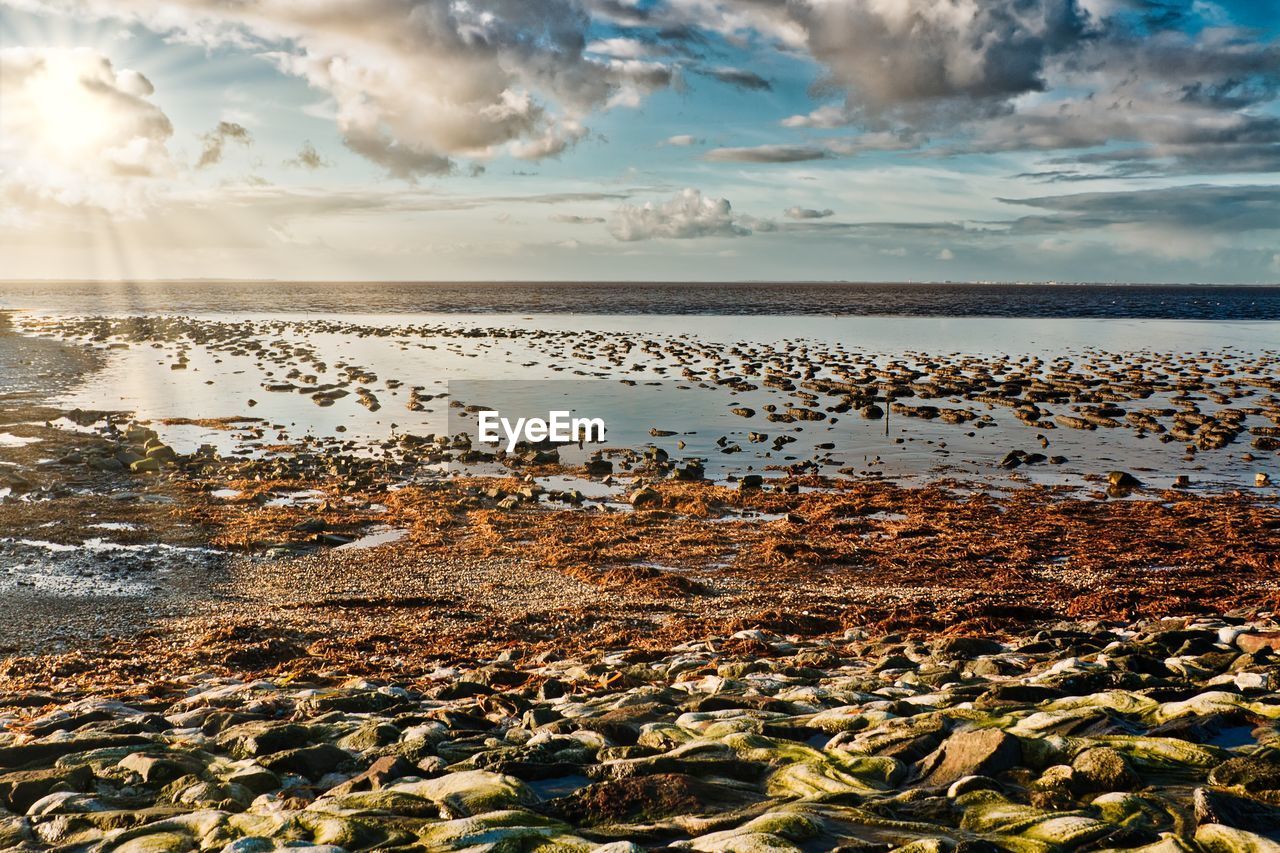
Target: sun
[(62, 107)]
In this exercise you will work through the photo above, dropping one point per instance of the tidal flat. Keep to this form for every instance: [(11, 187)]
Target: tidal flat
[(816, 592)]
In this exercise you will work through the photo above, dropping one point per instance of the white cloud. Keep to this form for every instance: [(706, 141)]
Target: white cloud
[(682, 140), (621, 48), (687, 215), (74, 130), (416, 83)]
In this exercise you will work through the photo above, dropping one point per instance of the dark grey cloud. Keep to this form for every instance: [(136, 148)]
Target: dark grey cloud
[(768, 154), (885, 55), (571, 219), (215, 142), (1181, 97), (1176, 103), (807, 213), (308, 158), (739, 78), (1202, 208)]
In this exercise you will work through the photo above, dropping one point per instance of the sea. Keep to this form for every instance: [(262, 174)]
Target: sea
[(836, 299)]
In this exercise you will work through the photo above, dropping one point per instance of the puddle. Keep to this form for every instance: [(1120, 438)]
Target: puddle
[(750, 515), (671, 570), (885, 515), (378, 536), (1231, 737), (99, 545), (301, 498), (591, 489), (96, 569), (561, 786)]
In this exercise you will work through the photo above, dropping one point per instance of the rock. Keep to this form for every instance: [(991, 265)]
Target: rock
[(1076, 736), (1251, 773), (252, 776), (310, 761), (19, 790), (370, 735), (1104, 769), (158, 842), (965, 784), (469, 792), (52, 750), (159, 769), (461, 689), (162, 453), (967, 647), (645, 799), (981, 752), (551, 688), (15, 833), (1268, 641), (1123, 480), (645, 497), (381, 772), (772, 832), (1235, 811), (65, 802), (691, 472), (263, 738), (1216, 838)]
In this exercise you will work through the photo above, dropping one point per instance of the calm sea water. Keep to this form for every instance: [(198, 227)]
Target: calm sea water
[(1192, 302)]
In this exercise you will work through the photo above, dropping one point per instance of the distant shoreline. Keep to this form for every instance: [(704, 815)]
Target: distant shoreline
[(635, 282), (1043, 301)]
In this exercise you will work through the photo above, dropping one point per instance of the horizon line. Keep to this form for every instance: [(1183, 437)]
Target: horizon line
[(599, 281)]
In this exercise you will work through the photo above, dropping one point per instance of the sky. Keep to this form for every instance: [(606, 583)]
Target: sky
[(861, 140)]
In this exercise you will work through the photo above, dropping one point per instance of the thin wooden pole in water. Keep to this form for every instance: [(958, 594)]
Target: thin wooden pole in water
[(888, 406)]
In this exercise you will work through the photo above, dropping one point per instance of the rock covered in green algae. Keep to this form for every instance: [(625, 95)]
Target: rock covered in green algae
[(1158, 737)]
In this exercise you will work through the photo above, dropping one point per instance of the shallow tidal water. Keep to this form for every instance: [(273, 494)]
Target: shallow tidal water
[(451, 356)]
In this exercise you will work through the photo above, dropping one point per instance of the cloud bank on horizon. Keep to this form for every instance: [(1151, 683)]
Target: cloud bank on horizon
[(798, 139)]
